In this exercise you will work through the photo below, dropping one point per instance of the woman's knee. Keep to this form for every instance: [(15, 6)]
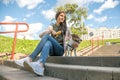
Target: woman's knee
[(48, 44)]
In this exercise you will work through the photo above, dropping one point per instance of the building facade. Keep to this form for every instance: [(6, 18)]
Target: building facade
[(102, 31)]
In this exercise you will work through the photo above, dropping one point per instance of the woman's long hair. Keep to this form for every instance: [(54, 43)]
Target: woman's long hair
[(62, 24)]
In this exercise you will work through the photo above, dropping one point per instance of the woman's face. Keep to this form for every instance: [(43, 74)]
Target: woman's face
[(61, 17)]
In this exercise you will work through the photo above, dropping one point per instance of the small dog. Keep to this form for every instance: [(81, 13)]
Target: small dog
[(72, 45)]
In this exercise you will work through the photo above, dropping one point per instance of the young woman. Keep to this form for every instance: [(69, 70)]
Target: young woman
[(51, 44)]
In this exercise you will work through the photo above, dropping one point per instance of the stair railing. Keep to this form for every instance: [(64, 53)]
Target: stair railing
[(15, 32)]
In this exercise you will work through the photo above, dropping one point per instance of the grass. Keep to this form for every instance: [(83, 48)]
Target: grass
[(87, 43), (112, 40), (27, 46), (22, 46), (84, 44)]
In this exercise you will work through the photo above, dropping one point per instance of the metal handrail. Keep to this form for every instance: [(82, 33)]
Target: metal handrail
[(14, 23), (15, 32), (97, 39)]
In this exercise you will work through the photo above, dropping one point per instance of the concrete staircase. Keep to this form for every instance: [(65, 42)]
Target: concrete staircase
[(107, 50), (68, 68), (87, 51)]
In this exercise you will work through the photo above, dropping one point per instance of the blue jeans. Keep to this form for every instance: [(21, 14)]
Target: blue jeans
[(47, 46)]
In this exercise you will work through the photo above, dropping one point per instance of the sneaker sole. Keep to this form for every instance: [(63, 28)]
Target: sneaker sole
[(30, 69)]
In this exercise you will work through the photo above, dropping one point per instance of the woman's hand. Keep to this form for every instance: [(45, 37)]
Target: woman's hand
[(53, 32), (58, 33)]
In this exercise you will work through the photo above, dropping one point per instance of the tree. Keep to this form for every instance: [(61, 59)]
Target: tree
[(75, 17), (79, 30)]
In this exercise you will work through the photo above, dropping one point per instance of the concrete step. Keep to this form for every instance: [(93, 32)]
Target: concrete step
[(103, 61), (9, 73), (69, 71), (79, 72)]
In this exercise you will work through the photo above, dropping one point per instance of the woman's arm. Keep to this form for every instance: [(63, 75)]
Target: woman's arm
[(45, 32), (50, 31), (53, 32)]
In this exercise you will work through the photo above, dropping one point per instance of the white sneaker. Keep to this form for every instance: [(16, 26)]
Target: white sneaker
[(21, 61), (34, 67)]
